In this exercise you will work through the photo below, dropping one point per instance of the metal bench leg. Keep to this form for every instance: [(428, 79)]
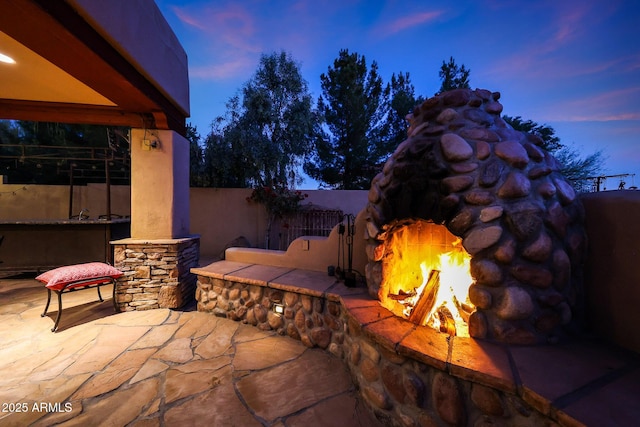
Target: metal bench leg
[(113, 297), (55, 326), (46, 307), (99, 296)]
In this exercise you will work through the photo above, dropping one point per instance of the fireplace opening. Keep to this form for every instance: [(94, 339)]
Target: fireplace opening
[(426, 276)]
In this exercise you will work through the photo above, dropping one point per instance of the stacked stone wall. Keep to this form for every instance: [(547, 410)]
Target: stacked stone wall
[(156, 275)]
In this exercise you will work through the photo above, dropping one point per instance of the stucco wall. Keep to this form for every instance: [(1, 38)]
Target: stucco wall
[(40, 202), (612, 271), (127, 25), (159, 184), (218, 215)]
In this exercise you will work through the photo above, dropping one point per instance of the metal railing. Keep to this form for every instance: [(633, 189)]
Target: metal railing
[(308, 222)]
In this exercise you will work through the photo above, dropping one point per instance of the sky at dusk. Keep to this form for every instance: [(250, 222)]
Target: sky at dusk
[(572, 64)]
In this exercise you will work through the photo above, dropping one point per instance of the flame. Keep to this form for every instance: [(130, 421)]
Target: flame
[(455, 280), (414, 246)]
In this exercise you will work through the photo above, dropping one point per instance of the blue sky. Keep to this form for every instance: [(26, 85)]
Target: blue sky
[(571, 64)]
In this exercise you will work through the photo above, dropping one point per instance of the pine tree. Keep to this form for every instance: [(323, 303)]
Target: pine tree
[(453, 76), (403, 101), (353, 105)]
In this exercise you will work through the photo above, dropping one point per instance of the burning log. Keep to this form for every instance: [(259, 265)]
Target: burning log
[(427, 299), (464, 309), (447, 323), (402, 295)]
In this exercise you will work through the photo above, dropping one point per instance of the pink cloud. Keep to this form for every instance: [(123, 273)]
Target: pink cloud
[(538, 57), (568, 24), (231, 25), (603, 107), (223, 70), (600, 117), (228, 39), (409, 21), (188, 19)]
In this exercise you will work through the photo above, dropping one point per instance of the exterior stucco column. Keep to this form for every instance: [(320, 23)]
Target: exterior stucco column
[(159, 184), (157, 258)]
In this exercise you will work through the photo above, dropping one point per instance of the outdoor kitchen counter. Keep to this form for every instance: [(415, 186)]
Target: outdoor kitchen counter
[(38, 245), (584, 381), (64, 221)]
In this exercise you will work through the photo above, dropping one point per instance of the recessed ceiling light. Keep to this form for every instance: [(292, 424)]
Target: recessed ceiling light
[(6, 59)]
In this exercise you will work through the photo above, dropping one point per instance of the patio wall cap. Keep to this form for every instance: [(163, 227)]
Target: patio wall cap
[(130, 241)]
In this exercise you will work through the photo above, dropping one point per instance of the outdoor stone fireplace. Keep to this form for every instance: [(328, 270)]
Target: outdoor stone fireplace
[(493, 200)]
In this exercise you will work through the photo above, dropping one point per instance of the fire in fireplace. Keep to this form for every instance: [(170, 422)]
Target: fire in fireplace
[(496, 206), (426, 275)]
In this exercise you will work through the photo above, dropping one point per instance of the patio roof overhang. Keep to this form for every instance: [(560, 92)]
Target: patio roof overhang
[(96, 62)]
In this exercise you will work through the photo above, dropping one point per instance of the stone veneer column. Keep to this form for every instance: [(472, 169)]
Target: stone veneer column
[(156, 272), (157, 258)]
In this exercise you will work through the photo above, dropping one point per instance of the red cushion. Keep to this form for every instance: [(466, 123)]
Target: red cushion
[(91, 272)]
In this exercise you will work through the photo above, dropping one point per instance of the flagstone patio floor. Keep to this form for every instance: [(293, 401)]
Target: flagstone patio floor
[(159, 368)]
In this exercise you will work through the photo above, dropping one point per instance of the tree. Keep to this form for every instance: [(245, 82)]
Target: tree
[(47, 153), (403, 101), (267, 132), (279, 201), (196, 178), (227, 157), (574, 167), (578, 169), (453, 77), (551, 142), (353, 106)]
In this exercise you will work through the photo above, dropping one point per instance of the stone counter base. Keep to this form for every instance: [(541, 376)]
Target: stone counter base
[(156, 272), (411, 375)]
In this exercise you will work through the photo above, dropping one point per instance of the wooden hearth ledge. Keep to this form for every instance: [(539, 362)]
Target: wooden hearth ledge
[(582, 382)]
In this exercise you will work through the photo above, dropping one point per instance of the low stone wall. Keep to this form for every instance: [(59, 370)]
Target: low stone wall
[(403, 387), (156, 273), (316, 321), (402, 391)]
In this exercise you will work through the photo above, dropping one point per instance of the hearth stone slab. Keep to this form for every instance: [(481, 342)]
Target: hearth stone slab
[(426, 346), (257, 274), (388, 331), (359, 300), (220, 268), (483, 363), (367, 315), (312, 283)]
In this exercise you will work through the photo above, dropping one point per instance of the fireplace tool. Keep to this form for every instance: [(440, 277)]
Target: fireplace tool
[(349, 275)]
